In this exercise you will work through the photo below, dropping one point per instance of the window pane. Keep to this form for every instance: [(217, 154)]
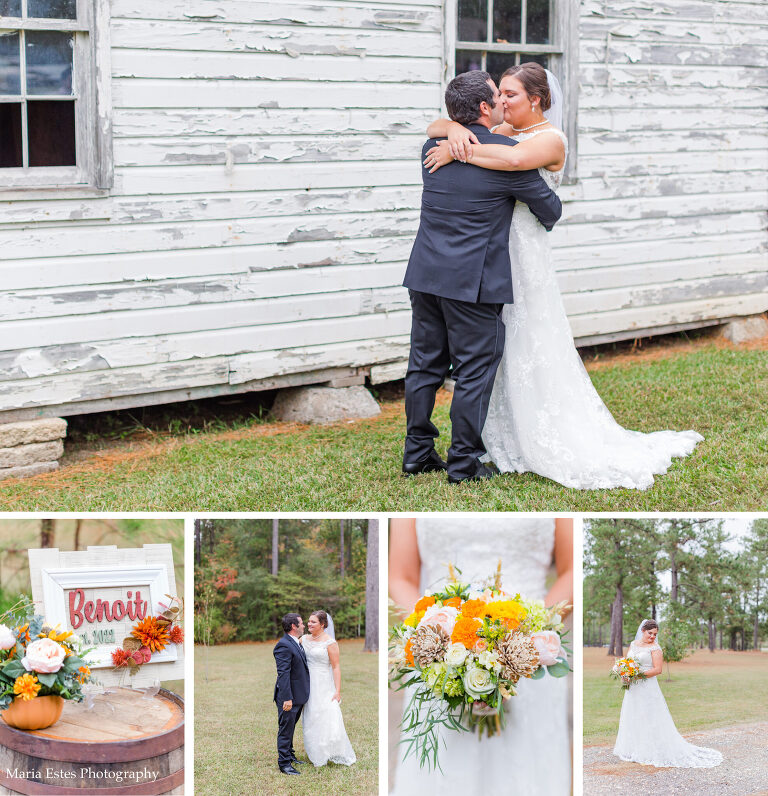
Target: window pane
[(498, 63), (49, 62), (506, 20), (10, 135), (473, 20), (51, 125), (10, 8), (468, 60), (10, 71), (541, 58), (537, 31), (52, 9)]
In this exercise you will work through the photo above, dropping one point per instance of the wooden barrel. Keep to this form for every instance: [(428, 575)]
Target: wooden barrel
[(125, 744)]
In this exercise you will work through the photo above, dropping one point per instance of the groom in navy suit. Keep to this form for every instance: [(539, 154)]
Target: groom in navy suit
[(459, 277), (291, 689)]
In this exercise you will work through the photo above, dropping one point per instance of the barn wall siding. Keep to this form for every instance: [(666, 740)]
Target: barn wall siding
[(267, 187)]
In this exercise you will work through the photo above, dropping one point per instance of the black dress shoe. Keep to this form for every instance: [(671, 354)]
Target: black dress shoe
[(289, 769), (297, 762), (483, 473), (431, 463)]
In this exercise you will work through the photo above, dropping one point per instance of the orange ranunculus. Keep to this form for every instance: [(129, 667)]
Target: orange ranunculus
[(423, 603), (409, 652), (474, 608), (465, 631), (510, 612), (151, 634), (452, 602), (26, 687)]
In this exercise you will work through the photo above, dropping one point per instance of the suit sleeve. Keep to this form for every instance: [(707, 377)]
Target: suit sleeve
[(283, 659), (529, 187)]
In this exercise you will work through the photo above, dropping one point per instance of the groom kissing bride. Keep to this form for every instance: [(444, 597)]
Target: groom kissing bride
[(309, 682)]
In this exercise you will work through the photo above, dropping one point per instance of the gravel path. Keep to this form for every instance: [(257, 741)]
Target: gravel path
[(743, 772)]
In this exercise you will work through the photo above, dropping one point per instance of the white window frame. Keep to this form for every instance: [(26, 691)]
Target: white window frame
[(91, 86), (563, 54)]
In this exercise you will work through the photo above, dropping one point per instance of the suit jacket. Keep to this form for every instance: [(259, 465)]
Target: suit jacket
[(461, 250), (292, 672)]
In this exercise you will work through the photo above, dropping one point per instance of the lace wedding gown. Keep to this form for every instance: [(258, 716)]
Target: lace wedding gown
[(325, 739), (532, 754), (545, 416), (647, 733)]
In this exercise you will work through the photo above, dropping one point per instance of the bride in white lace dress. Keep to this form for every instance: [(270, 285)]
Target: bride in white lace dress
[(532, 754), (647, 732), (325, 739), (545, 416)]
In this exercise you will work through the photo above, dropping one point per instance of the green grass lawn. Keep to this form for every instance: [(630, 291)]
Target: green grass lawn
[(356, 466), (236, 725), (707, 690)]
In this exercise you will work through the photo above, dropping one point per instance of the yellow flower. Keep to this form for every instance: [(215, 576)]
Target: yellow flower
[(26, 687), (414, 618), (56, 634), (510, 612)]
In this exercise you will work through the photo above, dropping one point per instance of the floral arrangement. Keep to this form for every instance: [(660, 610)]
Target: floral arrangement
[(151, 634), (38, 660), (464, 650), (627, 671)]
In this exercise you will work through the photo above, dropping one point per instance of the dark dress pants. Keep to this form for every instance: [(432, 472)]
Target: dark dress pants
[(468, 337), (286, 720)]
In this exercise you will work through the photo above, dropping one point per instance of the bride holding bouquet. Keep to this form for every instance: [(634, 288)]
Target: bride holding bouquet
[(531, 753)]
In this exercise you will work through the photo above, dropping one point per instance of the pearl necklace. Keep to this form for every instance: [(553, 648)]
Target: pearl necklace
[(523, 129)]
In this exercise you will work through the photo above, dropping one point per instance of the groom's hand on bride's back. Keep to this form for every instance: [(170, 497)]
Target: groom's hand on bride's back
[(288, 704)]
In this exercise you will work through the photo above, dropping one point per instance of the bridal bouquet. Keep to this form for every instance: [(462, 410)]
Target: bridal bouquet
[(463, 650), (38, 660), (627, 671)]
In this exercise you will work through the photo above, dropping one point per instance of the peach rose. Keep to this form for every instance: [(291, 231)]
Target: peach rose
[(7, 639), (435, 615), (548, 645), (44, 656), (481, 645)]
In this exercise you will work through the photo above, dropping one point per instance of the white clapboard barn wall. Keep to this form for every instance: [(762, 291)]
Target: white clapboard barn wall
[(267, 185)]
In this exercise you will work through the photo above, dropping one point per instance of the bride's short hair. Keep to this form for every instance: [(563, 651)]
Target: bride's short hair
[(534, 80), (322, 617)]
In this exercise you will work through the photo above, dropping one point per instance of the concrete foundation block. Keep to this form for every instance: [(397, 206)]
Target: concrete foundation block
[(28, 431), (324, 404), (35, 452), (743, 330), (28, 470)]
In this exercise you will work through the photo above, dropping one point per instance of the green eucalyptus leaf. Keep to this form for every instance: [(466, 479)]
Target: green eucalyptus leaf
[(46, 679), (538, 674), (559, 669)]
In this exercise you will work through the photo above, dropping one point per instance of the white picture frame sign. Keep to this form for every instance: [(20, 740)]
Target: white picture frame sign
[(99, 593)]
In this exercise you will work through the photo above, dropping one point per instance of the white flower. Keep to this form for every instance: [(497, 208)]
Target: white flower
[(487, 659), (44, 656), (7, 639), (477, 682), (456, 654)]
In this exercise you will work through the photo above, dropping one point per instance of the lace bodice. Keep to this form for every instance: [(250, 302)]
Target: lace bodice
[(643, 654), (316, 651), (552, 178), (524, 545)]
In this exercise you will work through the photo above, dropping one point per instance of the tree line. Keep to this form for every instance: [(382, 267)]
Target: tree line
[(681, 572), (249, 573)]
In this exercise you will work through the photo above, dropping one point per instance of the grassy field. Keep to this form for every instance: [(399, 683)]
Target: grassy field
[(355, 466), (236, 725), (707, 690)]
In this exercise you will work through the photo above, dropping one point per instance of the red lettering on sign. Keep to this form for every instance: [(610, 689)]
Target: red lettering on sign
[(75, 613)]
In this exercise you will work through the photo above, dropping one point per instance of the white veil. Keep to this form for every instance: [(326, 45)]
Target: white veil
[(554, 115), (639, 634), (329, 630)]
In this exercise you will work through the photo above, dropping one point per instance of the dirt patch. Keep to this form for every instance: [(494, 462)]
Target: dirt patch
[(743, 772)]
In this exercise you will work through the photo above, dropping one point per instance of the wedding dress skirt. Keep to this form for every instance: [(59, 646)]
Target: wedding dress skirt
[(532, 754), (325, 738), (545, 416), (647, 732)]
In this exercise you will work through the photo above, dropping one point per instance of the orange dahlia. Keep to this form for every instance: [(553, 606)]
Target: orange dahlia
[(177, 635), (465, 631), (26, 687), (510, 612), (151, 634), (424, 603), (453, 602), (474, 608), (120, 657), (409, 652)]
